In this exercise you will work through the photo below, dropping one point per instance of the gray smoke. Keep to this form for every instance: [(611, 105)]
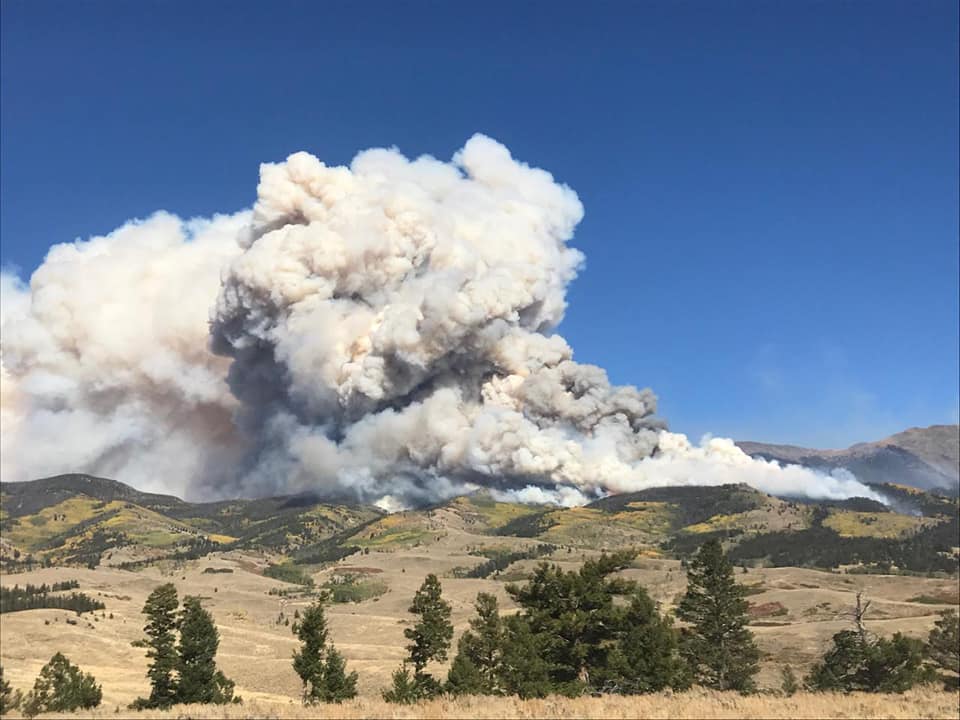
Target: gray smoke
[(383, 332)]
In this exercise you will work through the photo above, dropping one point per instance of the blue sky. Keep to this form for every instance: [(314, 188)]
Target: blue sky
[(771, 188)]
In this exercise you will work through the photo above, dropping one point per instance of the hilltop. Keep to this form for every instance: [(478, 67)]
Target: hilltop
[(79, 519), (925, 458)]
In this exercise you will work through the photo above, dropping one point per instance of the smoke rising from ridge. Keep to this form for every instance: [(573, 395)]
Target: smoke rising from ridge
[(383, 332)]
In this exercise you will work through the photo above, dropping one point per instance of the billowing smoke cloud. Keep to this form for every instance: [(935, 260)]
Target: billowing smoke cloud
[(106, 367), (383, 332)]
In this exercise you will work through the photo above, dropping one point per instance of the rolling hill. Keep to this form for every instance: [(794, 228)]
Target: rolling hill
[(256, 564), (78, 519)]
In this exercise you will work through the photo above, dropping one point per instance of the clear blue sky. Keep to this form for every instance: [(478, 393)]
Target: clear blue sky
[(771, 188)]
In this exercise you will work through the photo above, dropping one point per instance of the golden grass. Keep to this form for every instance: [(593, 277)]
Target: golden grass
[(488, 512), (393, 532), (871, 524), (919, 703)]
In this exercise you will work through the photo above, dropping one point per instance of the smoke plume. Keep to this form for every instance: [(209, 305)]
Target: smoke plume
[(383, 332)]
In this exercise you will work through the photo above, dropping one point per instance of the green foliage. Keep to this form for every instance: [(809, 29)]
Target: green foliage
[(500, 559), (477, 667), (855, 663), (9, 700), (321, 668), (405, 689), (585, 639), (718, 647), (199, 680), (929, 550), (31, 597), (161, 612), (430, 637), (943, 645), (646, 657), (61, 687), (287, 572), (788, 681), (429, 642), (353, 588), (337, 684), (524, 671)]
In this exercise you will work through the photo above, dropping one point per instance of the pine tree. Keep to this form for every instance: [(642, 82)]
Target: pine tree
[(646, 657), (524, 671), (161, 612), (61, 687), (199, 680), (338, 685), (321, 668), (476, 669), (788, 681), (9, 699), (859, 661), (943, 645), (404, 689), (430, 637), (718, 647), (430, 640), (855, 663)]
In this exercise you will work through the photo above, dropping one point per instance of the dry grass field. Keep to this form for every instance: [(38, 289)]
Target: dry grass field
[(256, 649), (693, 704)]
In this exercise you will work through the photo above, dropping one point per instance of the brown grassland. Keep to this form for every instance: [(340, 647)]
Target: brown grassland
[(918, 703), (255, 649)]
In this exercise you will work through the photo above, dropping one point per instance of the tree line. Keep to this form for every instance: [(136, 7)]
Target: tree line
[(589, 631), (32, 597)]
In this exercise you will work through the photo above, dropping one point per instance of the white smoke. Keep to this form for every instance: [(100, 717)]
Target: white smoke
[(105, 362), (382, 332)]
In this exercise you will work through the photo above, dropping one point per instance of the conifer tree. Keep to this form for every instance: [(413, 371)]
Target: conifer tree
[(943, 644), (60, 687), (788, 681), (199, 679), (476, 669), (321, 668), (574, 613), (403, 688), (161, 612), (9, 699), (718, 647), (430, 640), (855, 664), (524, 669), (646, 657), (575, 634)]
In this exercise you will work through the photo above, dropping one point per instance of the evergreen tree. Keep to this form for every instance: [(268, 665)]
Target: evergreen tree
[(788, 681), (574, 634), (9, 699), (646, 657), (321, 668), (430, 637), (476, 669), (857, 663), (161, 612), (718, 647), (575, 615), (943, 645), (61, 687), (524, 671), (199, 680), (404, 688)]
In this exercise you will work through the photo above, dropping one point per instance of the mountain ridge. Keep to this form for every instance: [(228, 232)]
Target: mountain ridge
[(926, 458)]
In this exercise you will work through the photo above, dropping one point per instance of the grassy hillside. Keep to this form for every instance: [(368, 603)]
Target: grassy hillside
[(78, 519)]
